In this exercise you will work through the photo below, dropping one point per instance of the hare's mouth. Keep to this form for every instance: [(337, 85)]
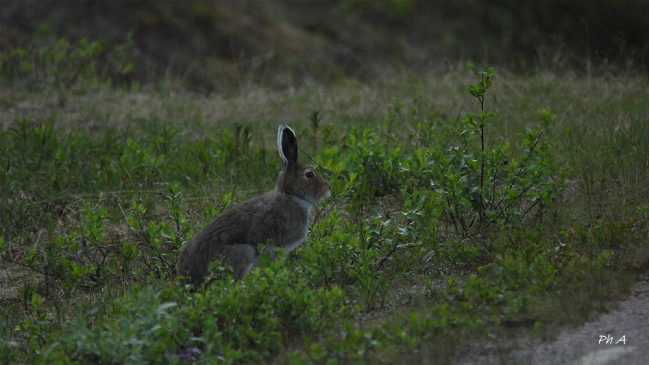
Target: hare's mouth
[(319, 196)]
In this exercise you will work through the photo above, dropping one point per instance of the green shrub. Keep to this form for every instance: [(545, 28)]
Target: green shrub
[(57, 63), (99, 218), (246, 322)]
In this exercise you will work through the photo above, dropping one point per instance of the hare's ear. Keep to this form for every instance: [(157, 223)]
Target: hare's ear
[(287, 145)]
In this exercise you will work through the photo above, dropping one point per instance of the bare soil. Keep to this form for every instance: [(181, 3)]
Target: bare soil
[(620, 336)]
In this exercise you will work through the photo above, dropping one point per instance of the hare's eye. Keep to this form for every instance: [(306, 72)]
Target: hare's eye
[(310, 175)]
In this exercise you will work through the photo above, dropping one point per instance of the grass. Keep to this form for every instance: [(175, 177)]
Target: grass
[(101, 190)]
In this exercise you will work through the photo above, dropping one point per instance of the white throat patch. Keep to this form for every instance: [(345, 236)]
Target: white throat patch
[(305, 204)]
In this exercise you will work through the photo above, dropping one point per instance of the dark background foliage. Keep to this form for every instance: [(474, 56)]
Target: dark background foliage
[(212, 45)]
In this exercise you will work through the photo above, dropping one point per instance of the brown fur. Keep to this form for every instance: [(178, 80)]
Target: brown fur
[(278, 218)]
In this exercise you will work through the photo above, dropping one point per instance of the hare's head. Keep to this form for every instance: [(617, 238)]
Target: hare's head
[(298, 179)]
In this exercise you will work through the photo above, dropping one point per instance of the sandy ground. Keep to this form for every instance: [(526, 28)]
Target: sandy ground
[(617, 337)]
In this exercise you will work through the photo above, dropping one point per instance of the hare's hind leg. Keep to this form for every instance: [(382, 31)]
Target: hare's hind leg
[(242, 258)]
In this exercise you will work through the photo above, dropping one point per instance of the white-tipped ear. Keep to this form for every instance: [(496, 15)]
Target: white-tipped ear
[(287, 144), (280, 131)]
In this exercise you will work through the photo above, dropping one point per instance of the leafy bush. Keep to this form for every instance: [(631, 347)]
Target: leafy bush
[(57, 63), (430, 204), (246, 322)]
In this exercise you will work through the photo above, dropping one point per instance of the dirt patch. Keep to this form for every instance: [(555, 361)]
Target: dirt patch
[(13, 277), (617, 337)]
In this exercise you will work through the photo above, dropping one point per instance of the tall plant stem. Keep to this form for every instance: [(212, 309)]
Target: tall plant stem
[(482, 153)]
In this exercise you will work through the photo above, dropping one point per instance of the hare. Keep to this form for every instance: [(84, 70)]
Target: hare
[(278, 218)]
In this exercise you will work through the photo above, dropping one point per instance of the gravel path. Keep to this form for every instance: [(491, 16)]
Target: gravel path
[(617, 337)]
